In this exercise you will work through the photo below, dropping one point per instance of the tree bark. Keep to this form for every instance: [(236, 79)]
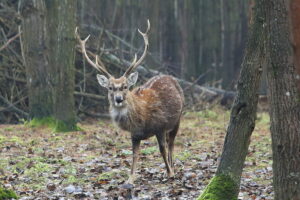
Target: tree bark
[(184, 33), (61, 26), (49, 51), (226, 46), (295, 15), (284, 98), (225, 184), (36, 54)]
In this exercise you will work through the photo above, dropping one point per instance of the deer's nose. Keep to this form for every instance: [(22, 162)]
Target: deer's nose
[(119, 99)]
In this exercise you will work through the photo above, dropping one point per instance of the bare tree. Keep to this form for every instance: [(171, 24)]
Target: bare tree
[(49, 53), (225, 184), (61, 26), (35, 53), (284, 95)]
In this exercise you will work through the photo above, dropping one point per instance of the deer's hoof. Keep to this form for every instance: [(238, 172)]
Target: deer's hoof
[(171, 174)]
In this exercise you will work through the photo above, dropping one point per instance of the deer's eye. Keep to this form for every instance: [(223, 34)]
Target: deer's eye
[(110, 88), (125, 87)]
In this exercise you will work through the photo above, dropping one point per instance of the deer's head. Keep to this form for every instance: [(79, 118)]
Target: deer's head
[(117, 87)]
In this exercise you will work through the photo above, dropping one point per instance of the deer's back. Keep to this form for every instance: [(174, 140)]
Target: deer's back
[(169, 92), (162, 99)]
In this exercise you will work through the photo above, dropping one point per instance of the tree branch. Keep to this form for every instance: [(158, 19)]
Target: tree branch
[(9, 41)]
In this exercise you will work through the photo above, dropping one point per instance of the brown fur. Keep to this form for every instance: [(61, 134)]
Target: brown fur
[(154, 108)]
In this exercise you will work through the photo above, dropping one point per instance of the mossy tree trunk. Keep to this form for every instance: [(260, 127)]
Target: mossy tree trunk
[(36, 54), (61, 26), (284, 96), (225, 184)]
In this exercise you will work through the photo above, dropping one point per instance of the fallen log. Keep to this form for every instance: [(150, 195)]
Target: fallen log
[(89, 95)]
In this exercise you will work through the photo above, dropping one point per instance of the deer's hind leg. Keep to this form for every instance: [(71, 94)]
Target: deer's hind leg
[(162, 143), (171, 137)]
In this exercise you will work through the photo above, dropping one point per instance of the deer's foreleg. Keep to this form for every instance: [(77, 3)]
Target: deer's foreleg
[(135, 156)]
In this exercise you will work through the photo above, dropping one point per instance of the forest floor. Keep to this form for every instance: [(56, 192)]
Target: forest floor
[(94, 163)]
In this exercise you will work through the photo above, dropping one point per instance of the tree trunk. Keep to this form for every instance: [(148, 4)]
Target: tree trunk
[(35, 52), (184, 33), (284, 100), (227, 67), (61, 26), (295, 14), (48, 48), (225, 184)]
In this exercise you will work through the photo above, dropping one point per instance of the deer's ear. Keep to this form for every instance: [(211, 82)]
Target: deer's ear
[(132, 78), (102, 80)]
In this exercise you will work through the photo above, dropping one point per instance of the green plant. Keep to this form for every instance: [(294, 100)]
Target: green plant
[(7, 194), (149, 150), (183, 156), (54, 124)]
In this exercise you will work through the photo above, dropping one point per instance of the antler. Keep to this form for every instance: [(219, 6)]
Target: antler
[(96, 65), (135, 63)]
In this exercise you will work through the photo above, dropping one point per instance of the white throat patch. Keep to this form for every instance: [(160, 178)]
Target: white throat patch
[(116, 113)]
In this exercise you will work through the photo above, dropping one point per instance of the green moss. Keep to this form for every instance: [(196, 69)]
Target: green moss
[(263, 119), (183, 156), (221, 187), (114, 174), (13, 139), (109, 141), (149, 150), (16, 140), (61, 126), (2, 139), (38, 122), (71, 180), (70, 172), (7, 194), (207, 114), (107, 175), (126, 152), (54, 124), (8, 129)]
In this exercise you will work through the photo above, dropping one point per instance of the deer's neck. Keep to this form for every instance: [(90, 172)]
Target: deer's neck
[(130, 116)]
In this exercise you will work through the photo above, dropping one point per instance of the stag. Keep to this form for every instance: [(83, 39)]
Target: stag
[(152, 109)]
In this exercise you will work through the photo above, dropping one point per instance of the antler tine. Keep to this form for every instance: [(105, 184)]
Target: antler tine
[(99, 63), (135, 63), (101, 67)]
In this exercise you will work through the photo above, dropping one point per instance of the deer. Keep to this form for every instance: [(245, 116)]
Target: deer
[(153, 109)]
